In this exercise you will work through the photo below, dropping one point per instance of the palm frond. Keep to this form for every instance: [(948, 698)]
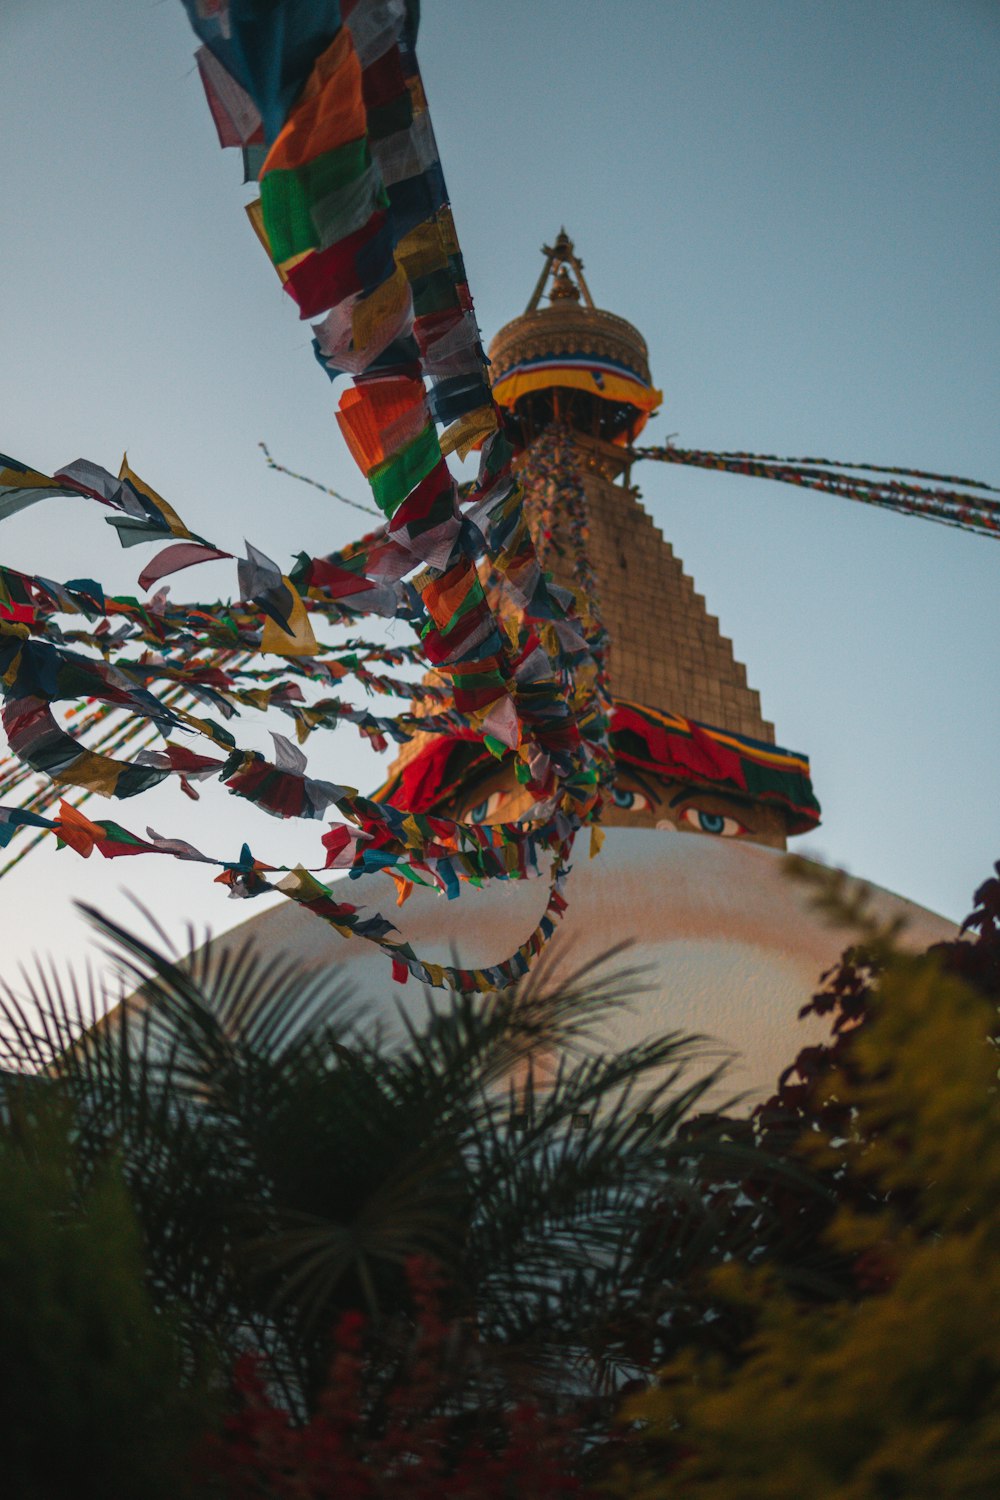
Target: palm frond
[(286, 1154)]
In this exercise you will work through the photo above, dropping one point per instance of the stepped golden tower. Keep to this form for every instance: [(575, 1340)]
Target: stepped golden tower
[(693, 751)]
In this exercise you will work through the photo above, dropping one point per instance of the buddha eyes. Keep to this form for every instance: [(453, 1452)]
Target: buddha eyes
[(487, 809), (714, 823), (630, 801), (718, 825)]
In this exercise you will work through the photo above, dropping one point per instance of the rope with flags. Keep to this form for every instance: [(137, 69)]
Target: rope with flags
[(977, 513)]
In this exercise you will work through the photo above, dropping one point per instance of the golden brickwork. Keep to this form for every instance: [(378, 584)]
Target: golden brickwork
[(666, 649)]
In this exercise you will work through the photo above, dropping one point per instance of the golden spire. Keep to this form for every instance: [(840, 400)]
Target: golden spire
[(560, 258), (573, 362)]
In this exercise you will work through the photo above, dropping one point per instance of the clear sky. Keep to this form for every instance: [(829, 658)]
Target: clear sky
[(795, 201)]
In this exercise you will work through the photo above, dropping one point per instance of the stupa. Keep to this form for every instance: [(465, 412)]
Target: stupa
[(692, 748), (691, 872)]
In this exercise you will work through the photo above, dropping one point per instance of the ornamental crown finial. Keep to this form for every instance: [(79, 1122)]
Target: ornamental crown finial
[(566, 269)]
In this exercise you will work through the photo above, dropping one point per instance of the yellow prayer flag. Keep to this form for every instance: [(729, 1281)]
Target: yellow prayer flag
[(446, 228), (415, 85), (171, 517), (298, 639), (27, 479), (463, 435), (385, 304), (422, 250), (94, 773)]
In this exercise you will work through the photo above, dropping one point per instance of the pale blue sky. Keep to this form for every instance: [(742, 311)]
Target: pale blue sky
[(797, 204)]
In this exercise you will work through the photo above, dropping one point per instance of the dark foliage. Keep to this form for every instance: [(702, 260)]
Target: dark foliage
[(415, 1407), (787, 1215), (95, 1397), (286, 1155)]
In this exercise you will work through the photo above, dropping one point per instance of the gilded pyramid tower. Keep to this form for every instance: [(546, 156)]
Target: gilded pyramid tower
[(692, 748)]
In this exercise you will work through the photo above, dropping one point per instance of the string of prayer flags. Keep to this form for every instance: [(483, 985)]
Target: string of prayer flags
[(325, 103), (977, 513), (439, 853), (143, 514), (353, 211)]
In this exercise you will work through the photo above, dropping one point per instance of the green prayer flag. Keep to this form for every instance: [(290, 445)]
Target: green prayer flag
[(394, 478), (289, 194)]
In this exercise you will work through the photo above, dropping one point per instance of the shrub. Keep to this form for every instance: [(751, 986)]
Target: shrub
[(893, 1390), (93, 1397)]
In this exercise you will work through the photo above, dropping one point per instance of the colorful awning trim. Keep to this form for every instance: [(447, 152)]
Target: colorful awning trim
[(608, 379), (670, 745), (665, 744)]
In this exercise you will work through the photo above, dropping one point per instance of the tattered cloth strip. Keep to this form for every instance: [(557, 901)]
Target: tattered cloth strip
[(247, 877), (180, 648), (354, 214), (951, 507)]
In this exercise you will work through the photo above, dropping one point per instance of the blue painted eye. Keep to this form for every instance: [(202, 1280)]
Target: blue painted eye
[(714, 823), (630, 801), (486, 811)]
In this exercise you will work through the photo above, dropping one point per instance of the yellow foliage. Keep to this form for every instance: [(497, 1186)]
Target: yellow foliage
[(895, 1396)]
